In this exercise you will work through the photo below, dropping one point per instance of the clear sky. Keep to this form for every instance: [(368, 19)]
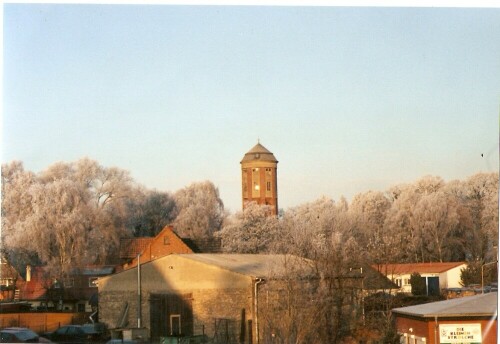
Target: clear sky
[(347, 99)]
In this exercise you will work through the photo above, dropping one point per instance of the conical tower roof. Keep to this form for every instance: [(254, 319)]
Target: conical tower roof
[(259, 152)]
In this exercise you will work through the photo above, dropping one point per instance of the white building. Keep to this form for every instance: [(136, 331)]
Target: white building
[(438, 276)]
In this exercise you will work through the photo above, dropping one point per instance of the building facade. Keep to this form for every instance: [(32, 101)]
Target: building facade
[(466, 320), (260, 178), (438, 276), (219, 295)]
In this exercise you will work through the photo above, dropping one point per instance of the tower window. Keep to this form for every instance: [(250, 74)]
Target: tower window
[(245, 183), (255, 182), (269, 182)]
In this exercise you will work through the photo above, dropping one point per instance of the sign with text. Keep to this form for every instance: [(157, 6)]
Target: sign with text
[(460, 333)]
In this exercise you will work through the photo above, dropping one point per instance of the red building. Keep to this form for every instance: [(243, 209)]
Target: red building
[(465, 320)]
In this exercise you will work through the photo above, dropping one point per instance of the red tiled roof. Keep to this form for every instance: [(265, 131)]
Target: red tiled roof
[(7, 271), (421, 268), (130, 248), (157, 247), (36, 288)]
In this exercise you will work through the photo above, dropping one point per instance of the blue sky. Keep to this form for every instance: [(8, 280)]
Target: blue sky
[(348, 99)]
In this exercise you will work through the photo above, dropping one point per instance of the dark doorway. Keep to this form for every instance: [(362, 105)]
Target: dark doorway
[(433, 286), (171, 315)]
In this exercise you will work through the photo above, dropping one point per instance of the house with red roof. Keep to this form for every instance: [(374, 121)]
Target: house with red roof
[(9, 278), (164, 243), (76, 293), (438, 276)]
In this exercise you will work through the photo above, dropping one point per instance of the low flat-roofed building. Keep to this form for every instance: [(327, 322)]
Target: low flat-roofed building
[(438, 276), (471, 319)]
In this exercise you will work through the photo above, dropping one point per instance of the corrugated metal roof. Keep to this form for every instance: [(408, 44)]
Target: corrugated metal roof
[(422, 268), (477, 305), (255, 265)]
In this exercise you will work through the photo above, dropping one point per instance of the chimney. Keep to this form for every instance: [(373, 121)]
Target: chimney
[(28, 273)]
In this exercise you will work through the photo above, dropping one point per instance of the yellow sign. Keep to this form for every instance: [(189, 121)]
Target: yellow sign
[(460, 334)]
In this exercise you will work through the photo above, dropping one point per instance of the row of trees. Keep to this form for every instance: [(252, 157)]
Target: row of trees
[(74, 213), (425, 221)]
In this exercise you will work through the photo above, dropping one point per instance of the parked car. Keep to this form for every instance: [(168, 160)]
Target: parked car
[(100, 329), (20, 335), (74, 334)]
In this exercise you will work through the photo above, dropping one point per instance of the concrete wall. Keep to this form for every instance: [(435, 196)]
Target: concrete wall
[(216, 293)]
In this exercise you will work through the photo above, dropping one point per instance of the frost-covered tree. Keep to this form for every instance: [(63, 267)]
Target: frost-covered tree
[(16, 205), (323, 231), (428, 184), (253, 230), (149, 212), (398, 224), (69, 214), (16, 201), (370, 209), (434, 217), (200, 210), (481, 190), (57, 228)]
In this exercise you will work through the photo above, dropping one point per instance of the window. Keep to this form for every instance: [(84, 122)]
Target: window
[(93, 282), (255, 182), (7, 282), (81, 307), (73, 331), (245, 183), (62, 330), (269, 182), (406, 281), (68, 282), (166, 240)]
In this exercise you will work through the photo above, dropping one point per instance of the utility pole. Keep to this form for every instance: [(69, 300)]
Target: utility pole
[(139, 291), (482, 275)]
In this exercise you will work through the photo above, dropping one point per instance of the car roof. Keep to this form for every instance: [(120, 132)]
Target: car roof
[(21, 333)]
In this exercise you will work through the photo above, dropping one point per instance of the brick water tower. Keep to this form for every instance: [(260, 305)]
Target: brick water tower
[(259, 177)]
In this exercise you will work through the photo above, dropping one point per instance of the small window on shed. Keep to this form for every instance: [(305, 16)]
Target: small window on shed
[(68, 282), (93, 282), (166, 240)]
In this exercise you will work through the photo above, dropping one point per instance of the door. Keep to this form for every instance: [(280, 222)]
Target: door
[(175, 325), (171, 315), (433, 286)]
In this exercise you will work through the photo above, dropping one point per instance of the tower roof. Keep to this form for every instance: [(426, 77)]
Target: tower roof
[(259, 152)]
